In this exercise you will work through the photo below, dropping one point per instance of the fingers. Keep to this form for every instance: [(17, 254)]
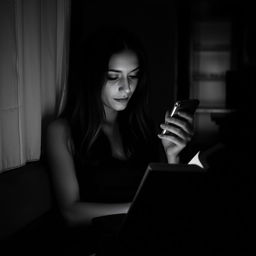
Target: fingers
[(189, 118), (185, 125), (186, 116), (174, 139), (181, 126), (177, 132)]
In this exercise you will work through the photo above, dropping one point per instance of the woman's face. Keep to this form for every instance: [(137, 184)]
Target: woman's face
[(121, 80)]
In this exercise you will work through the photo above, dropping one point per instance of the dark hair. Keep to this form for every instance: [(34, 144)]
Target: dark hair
[(84, 110)]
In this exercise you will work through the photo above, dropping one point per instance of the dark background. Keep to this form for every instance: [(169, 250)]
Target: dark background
[(164, 29)]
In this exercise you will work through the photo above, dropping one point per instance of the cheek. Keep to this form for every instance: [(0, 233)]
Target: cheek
[(133, 88), (107, 93)]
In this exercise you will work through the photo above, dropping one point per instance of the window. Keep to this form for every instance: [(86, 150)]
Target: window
[(210, 59)]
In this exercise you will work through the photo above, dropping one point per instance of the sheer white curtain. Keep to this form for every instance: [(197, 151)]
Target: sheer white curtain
[(34, 43)]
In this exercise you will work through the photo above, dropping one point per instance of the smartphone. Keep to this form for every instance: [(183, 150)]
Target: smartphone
[(189, 106)]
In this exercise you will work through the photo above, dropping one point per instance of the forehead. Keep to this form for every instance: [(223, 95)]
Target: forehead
[(125, 60)]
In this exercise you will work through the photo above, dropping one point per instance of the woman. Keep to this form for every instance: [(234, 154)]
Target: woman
[(100, 146)]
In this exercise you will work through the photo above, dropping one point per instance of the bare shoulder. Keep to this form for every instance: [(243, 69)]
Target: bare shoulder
[(59, 127), (58, 132)]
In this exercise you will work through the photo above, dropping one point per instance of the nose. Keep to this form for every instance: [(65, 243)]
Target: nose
[(125, 85)]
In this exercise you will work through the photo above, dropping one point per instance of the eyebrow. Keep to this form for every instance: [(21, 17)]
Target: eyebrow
[(119, 71)]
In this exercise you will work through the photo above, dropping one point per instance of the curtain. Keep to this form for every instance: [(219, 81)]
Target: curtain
[(34, 44)]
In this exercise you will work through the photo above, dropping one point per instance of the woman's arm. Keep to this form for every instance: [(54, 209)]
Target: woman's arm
[(65, 183)]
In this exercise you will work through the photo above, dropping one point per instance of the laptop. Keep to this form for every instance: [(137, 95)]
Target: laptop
[(167, 209)]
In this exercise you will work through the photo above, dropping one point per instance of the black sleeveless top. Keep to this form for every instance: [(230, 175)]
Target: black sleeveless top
[(104, 178)]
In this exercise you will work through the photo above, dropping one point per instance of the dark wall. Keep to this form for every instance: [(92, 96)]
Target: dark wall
[(154, 24)]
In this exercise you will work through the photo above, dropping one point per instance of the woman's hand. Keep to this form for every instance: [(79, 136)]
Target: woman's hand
[(179, 131)]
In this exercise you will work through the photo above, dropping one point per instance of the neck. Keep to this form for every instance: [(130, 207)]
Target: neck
[(111, 116), (110, 126)]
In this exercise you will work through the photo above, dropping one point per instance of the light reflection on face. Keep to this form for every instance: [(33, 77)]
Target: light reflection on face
[(121, 80)]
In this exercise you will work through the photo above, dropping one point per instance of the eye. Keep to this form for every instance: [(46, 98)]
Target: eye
[(112, 78), (133, 77)]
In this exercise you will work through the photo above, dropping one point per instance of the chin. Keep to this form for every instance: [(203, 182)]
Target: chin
[(120, 108)]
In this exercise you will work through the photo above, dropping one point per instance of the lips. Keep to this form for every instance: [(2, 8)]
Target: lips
[(122, 99)]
